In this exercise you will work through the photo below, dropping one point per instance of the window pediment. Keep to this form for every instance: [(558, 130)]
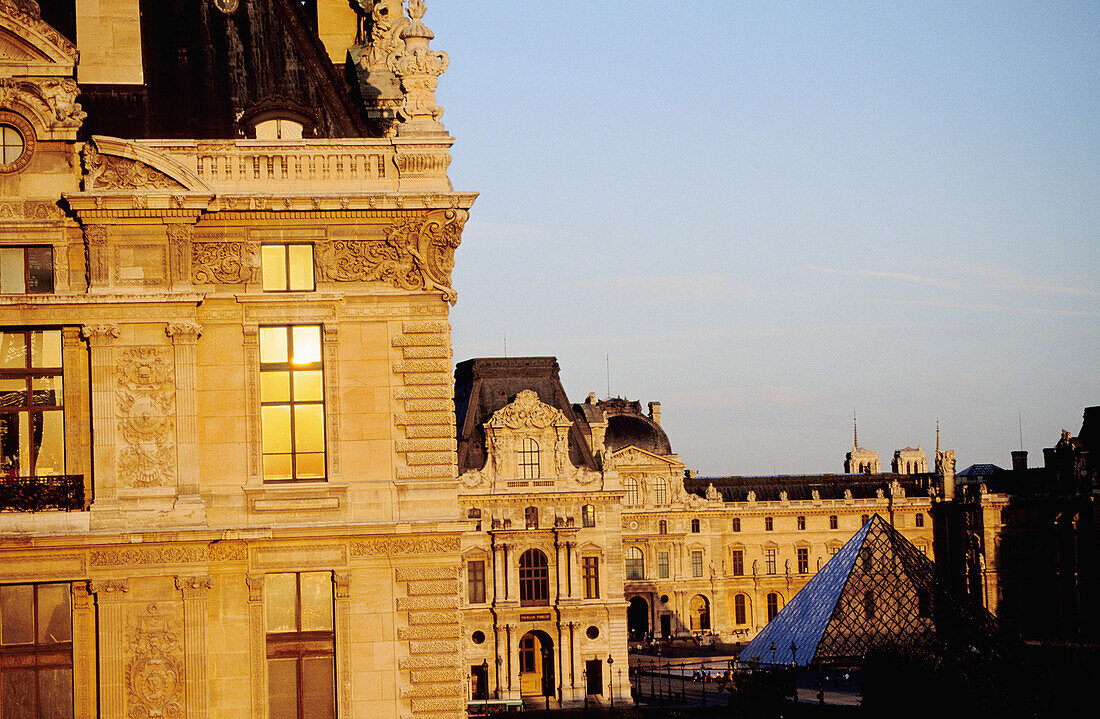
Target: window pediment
[(527, 411)]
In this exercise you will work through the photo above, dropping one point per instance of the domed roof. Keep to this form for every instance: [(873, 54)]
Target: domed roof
[(626, 426)]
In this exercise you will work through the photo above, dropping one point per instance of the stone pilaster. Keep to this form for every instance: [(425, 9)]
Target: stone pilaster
[(257, 644), (111, 597), (342, 593), (95, 245), (332, 402), (195, 591), (101, 344), (185, 337), (252, 401), (498, 574), (84, 641), (179, 253), (78, 437)]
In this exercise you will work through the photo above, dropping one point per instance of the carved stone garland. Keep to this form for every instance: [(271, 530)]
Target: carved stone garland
[(223, 263), (145, 395)]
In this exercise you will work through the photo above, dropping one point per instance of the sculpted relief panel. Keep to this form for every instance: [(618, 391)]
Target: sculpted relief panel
[(154, 664), (224, 263), (145, 395), (416, 254)]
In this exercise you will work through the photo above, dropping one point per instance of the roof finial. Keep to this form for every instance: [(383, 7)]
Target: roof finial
[(937, 434), (855, 431)]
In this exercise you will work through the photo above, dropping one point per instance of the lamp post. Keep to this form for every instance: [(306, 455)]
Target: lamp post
[(621, 679), (794, 669), (611, 679), (485, 674), (584, 679), (545, 661)]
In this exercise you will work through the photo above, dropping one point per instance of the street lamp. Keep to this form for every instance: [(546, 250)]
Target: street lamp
[(794, 670), (584, 679), (545, 661), (611, 679), (485, 674)]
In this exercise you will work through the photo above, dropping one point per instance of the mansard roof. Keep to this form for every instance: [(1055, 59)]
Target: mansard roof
[(828, 486), (485, 385), (627, 426), (205, 69)]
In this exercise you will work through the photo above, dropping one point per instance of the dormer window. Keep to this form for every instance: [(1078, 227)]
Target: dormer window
[(529, 459), (276, 119), (279, 128)]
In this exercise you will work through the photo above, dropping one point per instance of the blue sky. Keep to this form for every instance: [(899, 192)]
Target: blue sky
[(766, 215)]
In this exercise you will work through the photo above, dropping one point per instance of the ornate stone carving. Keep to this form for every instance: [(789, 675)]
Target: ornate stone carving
[(109, 588), (404, 545), (228, 551), (148, 556), (194, 587), (223, 263), (342, 584), (255, 584), (145, 395), (183, 332), (527, 410), (99, 334), (379, 29), (60, 95), (154, 671), (227, 6), (28, 13), (107, 172), (418, 67), (418, 253)]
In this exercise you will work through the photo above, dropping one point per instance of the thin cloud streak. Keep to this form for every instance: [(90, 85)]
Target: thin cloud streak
[(916, 279)]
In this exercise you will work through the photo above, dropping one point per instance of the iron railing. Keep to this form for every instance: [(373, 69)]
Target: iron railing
[(35, 494)]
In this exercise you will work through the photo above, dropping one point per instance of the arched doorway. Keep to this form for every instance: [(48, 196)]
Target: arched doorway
[(637, 618), (699, 609), (536, 665)]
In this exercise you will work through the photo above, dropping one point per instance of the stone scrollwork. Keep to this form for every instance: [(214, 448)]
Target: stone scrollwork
[(154, 669), (107, 172), (417, 254), (145, 396), (222, 263), (527, 411)]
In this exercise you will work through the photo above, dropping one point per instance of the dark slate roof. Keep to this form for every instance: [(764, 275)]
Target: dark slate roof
[(204, 69), (484, 385), (980, 470), (627, 426), (828, 486)]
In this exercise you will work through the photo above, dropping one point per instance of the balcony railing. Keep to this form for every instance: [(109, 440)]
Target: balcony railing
[(35, 494)]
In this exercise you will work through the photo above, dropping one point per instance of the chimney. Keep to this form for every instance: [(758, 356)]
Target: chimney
[(1019, 460), (591, 398), (655, 412)]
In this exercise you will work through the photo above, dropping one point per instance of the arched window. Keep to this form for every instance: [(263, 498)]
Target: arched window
[(773, 605), (588, 515), (740, 610), (531, 517), (631, 491), (662, 527), (660, 491), (534, 578), (699, 609), (635, 564), (529, 459)]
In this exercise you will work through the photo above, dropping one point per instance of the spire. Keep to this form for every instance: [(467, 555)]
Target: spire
[(937, 434), (855, 431)]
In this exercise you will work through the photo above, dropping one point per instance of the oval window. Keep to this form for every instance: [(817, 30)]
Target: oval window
[(593, 632), (16, 142), (478, 637)]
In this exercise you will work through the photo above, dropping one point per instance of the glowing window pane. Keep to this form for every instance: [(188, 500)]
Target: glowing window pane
[(307, 386), (276, 424), (307, 345), (273, 344), (309, 428), (309, 466), (273, 264), (275, 387), (300, 258)]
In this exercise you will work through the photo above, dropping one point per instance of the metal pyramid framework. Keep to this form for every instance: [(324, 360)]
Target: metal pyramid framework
[(878, 590)]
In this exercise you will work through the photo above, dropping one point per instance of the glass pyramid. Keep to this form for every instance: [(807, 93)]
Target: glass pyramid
[(877, 590)]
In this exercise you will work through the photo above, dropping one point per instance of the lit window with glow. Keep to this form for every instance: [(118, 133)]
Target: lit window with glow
[(292, 408), (287, 268)]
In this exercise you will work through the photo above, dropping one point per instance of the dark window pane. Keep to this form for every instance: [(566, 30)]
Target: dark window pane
[(39, 269), (282, 688), (318, 693), (54, 622), (17, 694), (55, 694), (17, 621)]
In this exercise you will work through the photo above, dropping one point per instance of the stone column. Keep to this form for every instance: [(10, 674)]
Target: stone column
[(257, 644), (185, 338), (508, 589), (342, 615), (84, 652), (498, 574), (110, 597), (195, 591), (101, 343), (559, 570), (512, 660)]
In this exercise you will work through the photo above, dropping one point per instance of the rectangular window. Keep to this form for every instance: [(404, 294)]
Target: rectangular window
[(662, 565), (475, 587), (32, 419), (769, 561), (26, 270), (697, 563), (863, 519), (287, 268), (737, 524), (803, 560), (591, 577), (695, 526), (832, 521), (588, 516), (768, 524), (738, 563), (801, 522), (300, 646), (36, 650), (292, 407), (832, 550), (919, 519)]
